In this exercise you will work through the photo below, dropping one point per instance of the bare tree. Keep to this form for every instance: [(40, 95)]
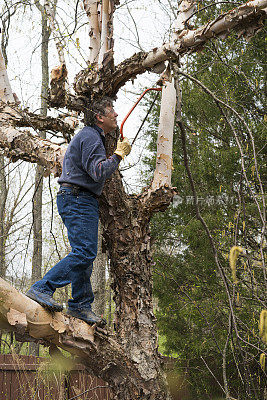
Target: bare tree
[(39, 172), (127, 359)]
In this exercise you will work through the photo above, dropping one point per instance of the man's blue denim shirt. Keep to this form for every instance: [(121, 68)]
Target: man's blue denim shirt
[(85, 162)]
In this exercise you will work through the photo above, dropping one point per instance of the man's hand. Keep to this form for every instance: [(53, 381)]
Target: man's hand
[(123, 148)]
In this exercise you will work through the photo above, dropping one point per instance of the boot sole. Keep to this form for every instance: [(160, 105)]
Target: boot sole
[(98, 323)]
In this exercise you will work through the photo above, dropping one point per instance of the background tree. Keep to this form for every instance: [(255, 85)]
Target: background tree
[(39, 172), (194, 313)]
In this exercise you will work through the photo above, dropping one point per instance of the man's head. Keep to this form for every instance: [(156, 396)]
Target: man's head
[(101, 113)]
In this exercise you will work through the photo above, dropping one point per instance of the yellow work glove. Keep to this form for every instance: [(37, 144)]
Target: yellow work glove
[(123, 148)]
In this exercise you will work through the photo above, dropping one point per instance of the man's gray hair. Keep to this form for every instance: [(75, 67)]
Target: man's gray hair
[(95, 108)]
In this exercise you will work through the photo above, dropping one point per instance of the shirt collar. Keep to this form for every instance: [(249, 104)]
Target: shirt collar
[(99, 130)]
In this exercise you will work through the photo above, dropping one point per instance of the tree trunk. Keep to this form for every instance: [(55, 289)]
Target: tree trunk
[(5, 95), (98, 278), (38, 188), (126, 231), (37, 258), (3, 198)]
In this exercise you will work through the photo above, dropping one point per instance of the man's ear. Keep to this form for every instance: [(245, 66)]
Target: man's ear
[(99, 118)]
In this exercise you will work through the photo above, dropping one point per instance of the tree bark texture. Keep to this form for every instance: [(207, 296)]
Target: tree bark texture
[(91, 9), (39, 171), (163, 170), (98, 278), (3, 198), (23, 145), (5, 87)]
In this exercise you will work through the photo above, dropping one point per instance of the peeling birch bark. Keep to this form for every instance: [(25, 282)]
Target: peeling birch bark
[(104, 31), (58, 84), (38, 122), (185, 10), (163, 171), (59, 80), (23, 145), (91, 9), (16, 117), (5, 87)]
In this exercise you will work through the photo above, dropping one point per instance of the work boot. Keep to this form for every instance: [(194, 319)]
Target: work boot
[(88, 316), (44, 299)]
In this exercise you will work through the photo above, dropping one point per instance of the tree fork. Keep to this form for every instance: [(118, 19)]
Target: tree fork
[(92, 82)]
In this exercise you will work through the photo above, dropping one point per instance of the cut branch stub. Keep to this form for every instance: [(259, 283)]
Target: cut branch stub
[(58, 82)]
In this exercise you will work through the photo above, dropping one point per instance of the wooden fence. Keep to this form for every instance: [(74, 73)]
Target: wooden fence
[(29, 378)]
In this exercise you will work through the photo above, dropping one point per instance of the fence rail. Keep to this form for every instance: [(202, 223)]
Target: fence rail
[(30, 378)]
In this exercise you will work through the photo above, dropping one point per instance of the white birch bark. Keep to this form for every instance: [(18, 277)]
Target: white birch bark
[(162, 175), (5, 87), (163, 171), (104, 31), (91, 9), (186, 9), (18, 312)]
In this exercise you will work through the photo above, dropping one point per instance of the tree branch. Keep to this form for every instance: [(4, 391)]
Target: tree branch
[(26, 146), (246, 20)]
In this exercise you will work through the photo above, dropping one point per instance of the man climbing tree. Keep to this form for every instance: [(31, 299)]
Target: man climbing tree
[(85, 169)]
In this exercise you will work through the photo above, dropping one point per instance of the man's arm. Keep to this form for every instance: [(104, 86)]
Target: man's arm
[(96, 164)]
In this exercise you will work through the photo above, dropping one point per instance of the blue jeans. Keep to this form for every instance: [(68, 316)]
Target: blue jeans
[(79, 213)]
